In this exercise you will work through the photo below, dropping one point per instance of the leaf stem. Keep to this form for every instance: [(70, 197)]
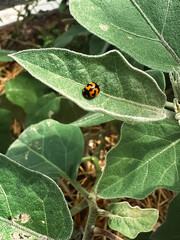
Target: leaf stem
[(169, 105), (91, 221), (78, 208)]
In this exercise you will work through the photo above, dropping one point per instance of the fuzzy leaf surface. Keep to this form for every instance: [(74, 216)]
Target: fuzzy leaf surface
[(49, 147), (147, 157), (145, 29), (126, 94), (31, 202), (131, 220)]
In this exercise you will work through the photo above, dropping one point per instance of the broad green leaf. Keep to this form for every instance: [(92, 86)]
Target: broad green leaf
[(74, 31), (4, 55), (126, 93), (49, 147), (147, 157), (131, 220), (170, 230), (32, 202), (5, 134), (97, 46), (44, 108), (159, 77), (145, 29), (24, 90), (91, 119)]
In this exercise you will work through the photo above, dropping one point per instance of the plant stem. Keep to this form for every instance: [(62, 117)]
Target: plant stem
[(169, 105), (79, 188), (93, 213), (105, 233), (78, 208)]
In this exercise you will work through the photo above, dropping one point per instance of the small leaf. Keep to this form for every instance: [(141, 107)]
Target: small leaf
[(144, 29), (44, 108), (74, 31), (49, 147), (4, 55), (147, 157), (5, 125), (24, 90), (97, 46), (170, 230), (131, 220), (31, 202), (137, 97), (159, 77)]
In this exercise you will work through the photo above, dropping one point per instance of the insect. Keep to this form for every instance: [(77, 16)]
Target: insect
[(91, 90)]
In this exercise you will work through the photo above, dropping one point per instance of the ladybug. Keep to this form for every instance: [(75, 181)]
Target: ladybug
[(91, 90)]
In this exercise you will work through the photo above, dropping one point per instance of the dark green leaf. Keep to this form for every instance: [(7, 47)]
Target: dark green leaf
[(24, 90), (5, 134), (4, 55), (97, 46), (49, 147), (170, 230), (74, 31), (44, 108), (32, 202), (159, 77)]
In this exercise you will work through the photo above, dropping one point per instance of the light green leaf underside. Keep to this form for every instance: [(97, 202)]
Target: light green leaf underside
[(146, 30), (91, 119), (32, 201), (131, 220), (49, 147), (126, 93), (147, 157)]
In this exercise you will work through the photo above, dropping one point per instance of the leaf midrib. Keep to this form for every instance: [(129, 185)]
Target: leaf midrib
[(142, 165), (161, 38), (105, 94)]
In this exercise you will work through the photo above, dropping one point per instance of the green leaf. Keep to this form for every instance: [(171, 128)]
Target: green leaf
[(145, 29), (5, 125), (33, 202), (24, 90), (97, 46), (126, 93), (68, 111), (131, 220), (44, 108), (147, 157), (170, 230), (74, 31), (49, 147), (4, 55), (159, 77), (91, 119)]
